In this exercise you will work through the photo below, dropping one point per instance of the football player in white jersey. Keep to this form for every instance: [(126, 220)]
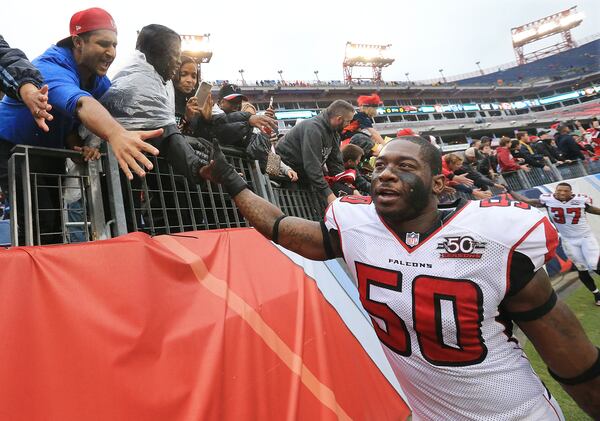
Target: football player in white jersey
[(568, 213), (444, 286)]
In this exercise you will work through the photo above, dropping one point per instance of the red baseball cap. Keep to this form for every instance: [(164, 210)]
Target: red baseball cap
[(405, 132), (88, 20)]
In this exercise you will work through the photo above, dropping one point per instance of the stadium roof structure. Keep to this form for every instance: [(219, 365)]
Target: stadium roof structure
[(558, 23), (366, 55)]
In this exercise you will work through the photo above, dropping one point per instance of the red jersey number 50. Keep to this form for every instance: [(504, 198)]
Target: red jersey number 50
[(461, 347)]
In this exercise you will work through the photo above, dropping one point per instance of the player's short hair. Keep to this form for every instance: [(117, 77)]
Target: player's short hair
[(351, 152), (565, 185), (427, 151)]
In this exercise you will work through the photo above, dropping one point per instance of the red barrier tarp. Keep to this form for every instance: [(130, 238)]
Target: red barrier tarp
[(216, 325)]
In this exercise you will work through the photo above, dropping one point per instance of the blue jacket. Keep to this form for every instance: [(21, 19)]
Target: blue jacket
[(60, 72), (569, 148)]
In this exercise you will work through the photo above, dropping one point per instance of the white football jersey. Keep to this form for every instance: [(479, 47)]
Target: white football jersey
[(568, 217), (435, 306)]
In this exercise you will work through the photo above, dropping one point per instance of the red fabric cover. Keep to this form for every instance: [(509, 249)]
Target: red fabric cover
[(216, 325)]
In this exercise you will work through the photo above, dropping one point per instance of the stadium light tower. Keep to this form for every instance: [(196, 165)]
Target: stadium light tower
[(241, 72), (366, 55), (558, 23), (198, 48), (316, 72), (442, 74), (479, 67), (407, 79), (280, 74)]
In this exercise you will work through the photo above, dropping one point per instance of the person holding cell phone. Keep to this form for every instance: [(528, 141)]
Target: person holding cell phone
[(231, 128)]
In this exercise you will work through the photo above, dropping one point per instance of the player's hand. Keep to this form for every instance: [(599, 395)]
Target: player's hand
[(36, 101), (192, 109), (525, 168), (500, 186), (265, 124), (222, 172), (88, 153), (128, 147)]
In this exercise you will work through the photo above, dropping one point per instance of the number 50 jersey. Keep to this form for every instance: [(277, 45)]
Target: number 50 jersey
[(436, 307)]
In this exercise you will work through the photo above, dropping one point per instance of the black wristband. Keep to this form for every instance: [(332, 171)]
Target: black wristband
[(535, 313), (587, 375), (275, 232), (327, 242)]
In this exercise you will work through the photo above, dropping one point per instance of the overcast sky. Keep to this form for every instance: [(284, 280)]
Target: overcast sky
[(301, 36)]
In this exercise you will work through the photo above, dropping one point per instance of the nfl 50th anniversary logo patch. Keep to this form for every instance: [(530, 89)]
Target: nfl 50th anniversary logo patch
[(461, 248)]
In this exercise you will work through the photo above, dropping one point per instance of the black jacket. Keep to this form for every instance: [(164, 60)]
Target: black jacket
[(487, 163), (544, 148), (16, 70), (309, 145), (532, 159), (231, 129), (569, 148)]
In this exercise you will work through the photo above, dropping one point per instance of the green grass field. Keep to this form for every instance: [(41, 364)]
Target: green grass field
[(581, 303)]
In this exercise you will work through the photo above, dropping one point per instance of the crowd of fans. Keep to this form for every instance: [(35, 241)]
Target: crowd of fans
[(152, 106)]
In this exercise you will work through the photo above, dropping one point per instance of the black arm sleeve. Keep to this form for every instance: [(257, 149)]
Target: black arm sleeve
[(16, 70), (521, 272)]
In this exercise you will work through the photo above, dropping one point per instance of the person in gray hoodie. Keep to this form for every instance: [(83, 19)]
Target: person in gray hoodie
[(316, 142)]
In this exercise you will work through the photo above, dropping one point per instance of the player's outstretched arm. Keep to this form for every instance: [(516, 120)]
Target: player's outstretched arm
[(592, 209), (533, 202), (307, 238), (560, 340)]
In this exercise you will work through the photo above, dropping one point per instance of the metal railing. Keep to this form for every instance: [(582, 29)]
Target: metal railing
[(94, 200), (107, 204), (54, 206)]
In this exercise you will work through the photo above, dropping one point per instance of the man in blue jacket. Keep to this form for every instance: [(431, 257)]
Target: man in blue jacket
[(567, 145), (75, 71)]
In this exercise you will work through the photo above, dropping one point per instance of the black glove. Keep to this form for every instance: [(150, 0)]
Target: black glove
[(223, 173)]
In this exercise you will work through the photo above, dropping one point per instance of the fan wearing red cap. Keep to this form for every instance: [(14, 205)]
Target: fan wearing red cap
[(93, 41), (75, 71), (362, 123)]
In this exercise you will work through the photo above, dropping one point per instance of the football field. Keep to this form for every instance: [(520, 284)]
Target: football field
[(581, 303)]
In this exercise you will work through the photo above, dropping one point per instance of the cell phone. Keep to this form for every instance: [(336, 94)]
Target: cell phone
[(203, 92), (271, 103)]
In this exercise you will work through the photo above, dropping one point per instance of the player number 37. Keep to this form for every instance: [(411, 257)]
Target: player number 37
[(427, 295)]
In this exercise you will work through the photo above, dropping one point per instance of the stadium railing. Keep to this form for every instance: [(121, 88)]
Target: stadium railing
[(54, 207), (108, 204), (95, 201)]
